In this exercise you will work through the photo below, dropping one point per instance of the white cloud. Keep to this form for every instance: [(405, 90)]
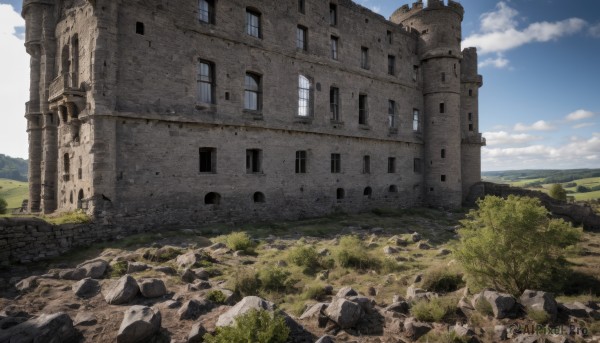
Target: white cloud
[(539, 125), (579, 114), (376, 9), (582, 125), (505, 138), (499, 31), (594, 31), (499, 62), (14, 84)]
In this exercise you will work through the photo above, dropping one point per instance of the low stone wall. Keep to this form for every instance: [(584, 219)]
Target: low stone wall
[(575, 213), (25, 240)]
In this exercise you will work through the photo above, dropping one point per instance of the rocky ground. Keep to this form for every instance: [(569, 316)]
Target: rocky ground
[(175, 286)]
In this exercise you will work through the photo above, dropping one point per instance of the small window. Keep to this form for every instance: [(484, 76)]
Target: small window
[(443, 77), (443, 153), (470, 116), (443, 178), (334, 103), (301, 38), (252, 92), (212, 198), (416, 127), (391, 65), (80, 197), (305, 96), (336, 163), (258, 197), (392, 114), (364, 57), (208, 160), (253, 23), (367, 192), (66, 167), (300, 162), (417, 166), (470, 92), (253, 161), (388, 36), (332, 14), (366, 166), (442, 107), (139, 28), (340, 193), (415, 75), (206, 11), (391, 165), (206, 82), (334, 47), (393, 189), (302, 6), (470, 127), (362, 109)]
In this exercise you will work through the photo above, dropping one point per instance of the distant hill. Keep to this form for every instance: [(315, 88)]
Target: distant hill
[(13, 168), (543, 175)]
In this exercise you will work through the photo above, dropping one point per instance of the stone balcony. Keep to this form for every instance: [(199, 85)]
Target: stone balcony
[(63, 87), (474, 138)]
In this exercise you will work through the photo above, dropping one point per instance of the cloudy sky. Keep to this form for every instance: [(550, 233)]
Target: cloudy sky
[(540, 59)]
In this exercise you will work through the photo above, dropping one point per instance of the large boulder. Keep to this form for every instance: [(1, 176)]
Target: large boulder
[(86, 288), (187, 260), (72, 274), (344, 312), (540, 301), (27, 284), (415, 329), (139, 324), (122, 291), (193, 308), (399, 307), (47, 328), (152, 288), (94, 269), (414, 293), (196, 334), (325, 339), (134, 267), (503, 305), (245, 305), (316, 313), (346, 291)]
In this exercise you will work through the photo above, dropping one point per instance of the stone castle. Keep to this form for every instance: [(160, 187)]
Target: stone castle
[(206, 110)]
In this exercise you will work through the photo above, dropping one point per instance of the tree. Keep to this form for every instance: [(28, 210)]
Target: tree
[(558, 192), (3, 206), (513, 245)]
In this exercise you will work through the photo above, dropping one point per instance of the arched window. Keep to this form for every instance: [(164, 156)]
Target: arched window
[(258, 197), (252, 98), (304, 96), (368, 192), (212, 198)]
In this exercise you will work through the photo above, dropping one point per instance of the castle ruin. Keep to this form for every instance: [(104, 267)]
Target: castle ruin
[(192, 111)]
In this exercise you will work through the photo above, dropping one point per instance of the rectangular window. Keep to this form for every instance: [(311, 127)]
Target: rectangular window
[(443, 178), (253, 23), (470, 92), (391, 165), (391, 114), (300, 162), (442, 107), (301, 6), (208, 160), (364, 57), (470, 116), (336, 163), (415, 75), (253, 161), (443, 77), (301, 38), (416, 127), (334, 103), (305, 96), (391, 65), (332, 14), (252, 92), (366, 164), (206, 82), (470, 127), (417, 166), (206, 11), (334, 47), (388, 36), (443, 153), (362, 109)]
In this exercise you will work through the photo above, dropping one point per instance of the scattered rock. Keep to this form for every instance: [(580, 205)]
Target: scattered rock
[(188, 276), (395, 240), (346, 292), (187, 260), (345, 313), (27, 284), (72, 274), (139, 324), (196, 334), (323, 275), (414, 294), (418, 278), (325, 339), (193, 308), (245, 305), (463, 331), (444, 252), (198, 285), (388, 250), (201, 273), (47, 328), (415, 329), (540, 301), (415, 237), (86, 288), (397, 298), (580, 310), (85, 319), (94, 269), (152, 288), (423, 246), (217, 246), (500, 333), (503, 305), (399, 307), (316, 312), (527, 338), (122, 291), (324, 252), (134, 267), (371, 291), (166, 269), (465, 306)]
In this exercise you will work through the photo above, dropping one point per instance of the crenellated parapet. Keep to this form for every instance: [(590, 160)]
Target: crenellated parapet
[(468, 68), (407, 11)]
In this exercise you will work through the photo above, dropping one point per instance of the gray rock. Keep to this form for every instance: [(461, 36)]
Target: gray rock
[(85, 319), (139, 324), (245, 305), (444, 252), (134, 267), (344, 312), (465, 306), (418, 278), (27, 284), (196, 334), (415, 329), (395, 240), (463, 331), (188, 276), (346, 292), (540, 301), (399, 307), (217, 246), (500, 333), (415, 237), (94, 269), (388, 250), (325, 339), (187, 260), (152, 288), (579, 310), (72, 274), (201, 273), (415, 294), (86, 288), (423, 246), (527, 338), (366, 304), (503, 305), (9, 322), (122, 291), (314, 310), (397, 298), (198, 285), (166, 269), (193, 308), (371, 291), (47, 328)]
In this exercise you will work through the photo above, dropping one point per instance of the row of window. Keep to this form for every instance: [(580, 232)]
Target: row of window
[(254, 158), (253, 99)]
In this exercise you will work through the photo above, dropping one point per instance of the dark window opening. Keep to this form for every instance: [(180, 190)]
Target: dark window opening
[(442, 107), (253, 24), (470, 92), (334, 103), (391, 165), (139, 28), (340, 193), (300, 162), (391, 65), (212, 198), (258, 197), (334, 47), (302, 38), (362, 109), (431, 189), (389, 36), (336, 163), (71, 197), (253, 161), (80, 199), (332, 14), (206, 11), (443, 77), (301, 6), (364, 57), (368, 192), (208, 160), (391, 114), (470, 127), (416, 119), (66, 166), (366, 164), (393, 189), (443, 153), (470, 116), (415, 75), (443, 178), (417, 166), (80, 173)]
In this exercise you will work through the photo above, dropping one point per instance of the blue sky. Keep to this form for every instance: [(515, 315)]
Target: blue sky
[(539, 106)]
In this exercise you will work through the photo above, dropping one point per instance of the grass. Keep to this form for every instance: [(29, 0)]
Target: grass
[(435, 310), (77, 217), (14, 192)]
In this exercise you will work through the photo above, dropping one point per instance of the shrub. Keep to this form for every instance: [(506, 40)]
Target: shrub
[(434, 310), (239, 241), (513, 245), (484, 307), (540, 317), (442, 280), (253, 326), (352, 253), (273, 279), (444, 337), (314, 292), (245, 283), (558, 192), (118, 269), (216, 296), (3, 206), (583, 189), (304, 256)]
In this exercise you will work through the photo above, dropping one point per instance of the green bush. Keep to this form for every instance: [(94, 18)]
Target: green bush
[(216, 296), (118, 269), (442, 280), (304, 256), (512, 245), (253, 326), (245, 283), (540, 317), (444, 337), (434, 310), (352, 253), (274, 279), (314, 292), (558, 192), (3, 206), (239, 241), (583, 189)]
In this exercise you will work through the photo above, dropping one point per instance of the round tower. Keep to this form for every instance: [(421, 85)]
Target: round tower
[(439, 28)]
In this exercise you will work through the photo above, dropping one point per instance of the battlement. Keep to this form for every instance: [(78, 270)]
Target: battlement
[(407, 11)]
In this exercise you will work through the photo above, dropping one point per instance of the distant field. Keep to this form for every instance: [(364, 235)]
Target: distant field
[(13, 192), (523, 182)]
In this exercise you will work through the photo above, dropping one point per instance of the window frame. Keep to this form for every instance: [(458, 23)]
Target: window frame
[(210, 81), (363, 109), (301, 161), (392, 118), (254, 161), (364, 57), (416, 120), (305, 96), (210, 16), (212, 153), (333, 15), (334, 103), (334, 47), (253, 29), (366, 164), (391, 169), (391, 65), (257, 78), (302, 38), (336, 163)]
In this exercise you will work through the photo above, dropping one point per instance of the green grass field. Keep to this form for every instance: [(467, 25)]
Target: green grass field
[(13, 192), (589, 182)]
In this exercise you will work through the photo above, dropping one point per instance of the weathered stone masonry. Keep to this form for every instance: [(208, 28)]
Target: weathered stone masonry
[(195, 111)]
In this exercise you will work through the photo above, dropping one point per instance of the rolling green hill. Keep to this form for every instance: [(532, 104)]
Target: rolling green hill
[(13, 192), (13, 168)]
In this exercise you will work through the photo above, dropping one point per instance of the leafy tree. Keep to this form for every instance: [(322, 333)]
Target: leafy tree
[(558, 192), (3, 206), (512, 245), (583, 189)]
